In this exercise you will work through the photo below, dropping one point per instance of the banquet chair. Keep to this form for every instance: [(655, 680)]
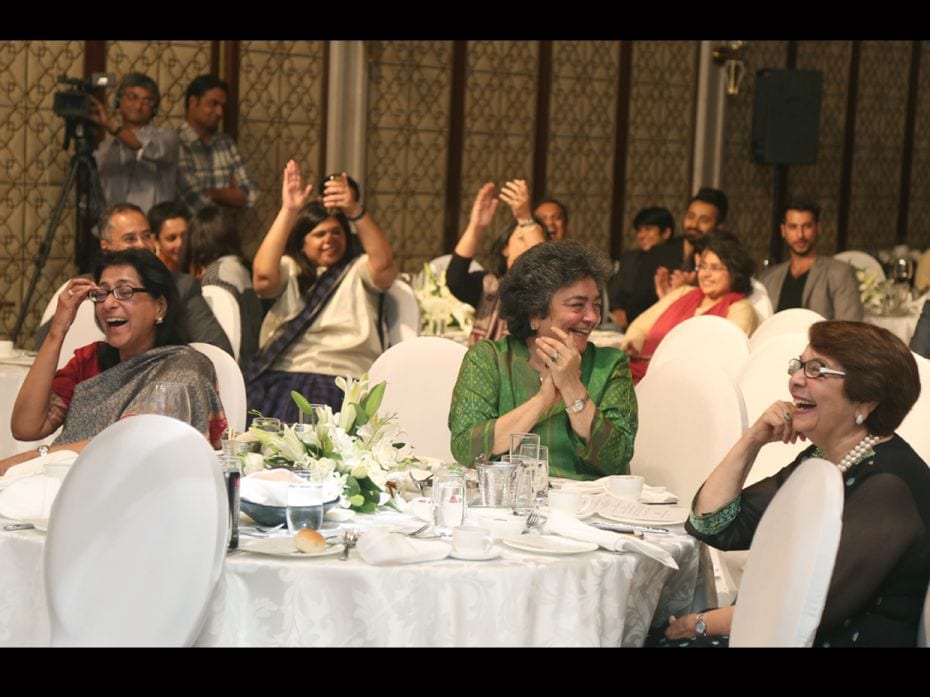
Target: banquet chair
[(761, 302), (137, 537), (441, 263), (914, 429), (923, 628), (784, 587), (862, 260), (230, 383), (83, 330), (796, 319), (401, 313), (226, 309), (421, 374), (701, 341)]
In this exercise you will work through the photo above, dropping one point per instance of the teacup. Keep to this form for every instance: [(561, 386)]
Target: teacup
[(503, 526), (471, 540), (565, 501), (626, 486), (6, 349)]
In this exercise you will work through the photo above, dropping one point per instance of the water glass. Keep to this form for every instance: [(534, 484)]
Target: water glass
[(448, 502), (166, 398), (541, 484), (231, 476), (304, 504), (524, 484), (313, 418), (267, 423), (525, 445)]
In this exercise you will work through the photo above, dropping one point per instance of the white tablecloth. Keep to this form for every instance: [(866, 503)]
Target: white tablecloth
[(520, 599), (902, 327)]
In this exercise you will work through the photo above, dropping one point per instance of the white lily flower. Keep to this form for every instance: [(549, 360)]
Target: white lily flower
[(252, 463)]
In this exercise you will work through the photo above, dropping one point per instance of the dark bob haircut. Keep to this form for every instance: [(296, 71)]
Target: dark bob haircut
[(734, 257), (162, 212), (157, 280), (879, 368), (503, 239), (541, 271), (212, 234), (654, 215), (311, 215)]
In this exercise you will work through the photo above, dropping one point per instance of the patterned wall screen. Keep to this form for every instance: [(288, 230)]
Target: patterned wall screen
[(500, 118), (408, 130), (280, 99), (661, 137), (918, 226)]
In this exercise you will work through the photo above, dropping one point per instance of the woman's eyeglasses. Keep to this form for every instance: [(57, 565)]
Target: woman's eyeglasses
[(98, 295), (814, 368)]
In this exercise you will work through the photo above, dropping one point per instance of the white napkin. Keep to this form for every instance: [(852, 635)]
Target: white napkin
[(29, 498), (378, 546), (269, 487), (657, 494), (566, 525), (650, 494), (36, 466)]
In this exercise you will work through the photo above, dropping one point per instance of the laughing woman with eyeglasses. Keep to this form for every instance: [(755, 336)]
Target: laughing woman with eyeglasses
[(136, 306), (851, 388)]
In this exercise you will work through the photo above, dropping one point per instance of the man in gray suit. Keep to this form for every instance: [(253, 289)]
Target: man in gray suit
[(124, 225), (821, 284)]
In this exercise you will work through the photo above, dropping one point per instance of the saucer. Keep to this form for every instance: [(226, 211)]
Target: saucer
[(493, 553)]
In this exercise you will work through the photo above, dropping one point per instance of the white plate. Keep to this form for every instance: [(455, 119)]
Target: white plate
[(549, 544), (493, 553), (284, 547), (671, 515)]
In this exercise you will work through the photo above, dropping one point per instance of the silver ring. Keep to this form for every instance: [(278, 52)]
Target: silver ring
[(70, 292), (787, 416), (554, 357)]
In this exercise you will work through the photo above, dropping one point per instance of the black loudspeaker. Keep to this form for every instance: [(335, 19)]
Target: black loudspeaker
[(786, 116)]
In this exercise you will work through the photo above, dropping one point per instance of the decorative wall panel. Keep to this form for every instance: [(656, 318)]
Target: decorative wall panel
[(880, 117), (500, 117), (408, 129), (582, 135), (661, 134), (918, 224)]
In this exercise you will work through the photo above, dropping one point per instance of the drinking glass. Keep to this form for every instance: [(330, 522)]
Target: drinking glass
[(267, 423), (304, 503), (166, 398), (313, 418), (448, 502), (524, 483), (541, 483), (231, 475), (525, 445)]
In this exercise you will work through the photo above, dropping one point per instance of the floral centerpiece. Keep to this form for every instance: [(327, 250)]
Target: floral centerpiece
[(438, 307), (355, 446), (872, 290)]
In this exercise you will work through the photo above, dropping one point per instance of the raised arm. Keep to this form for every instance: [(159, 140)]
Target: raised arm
[(339, 195), (38, 411), (482, 213), (266, 267)]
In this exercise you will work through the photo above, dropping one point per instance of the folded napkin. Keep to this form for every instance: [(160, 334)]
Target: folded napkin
[(566, 525), (379, 546), (269, 487), (657, 494), (650, 494), (36, 466), (29, 498)]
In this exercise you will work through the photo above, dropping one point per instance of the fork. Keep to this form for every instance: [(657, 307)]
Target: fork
[(418, 530), (532, 521), (349, 540)]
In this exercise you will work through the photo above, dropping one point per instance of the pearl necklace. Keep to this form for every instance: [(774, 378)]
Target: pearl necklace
[(854, 456)]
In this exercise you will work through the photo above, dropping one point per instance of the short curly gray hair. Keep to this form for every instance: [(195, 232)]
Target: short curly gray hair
[(527, 289)]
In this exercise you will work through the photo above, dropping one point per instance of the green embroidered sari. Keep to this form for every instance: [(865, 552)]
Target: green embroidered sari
[(496, 377)]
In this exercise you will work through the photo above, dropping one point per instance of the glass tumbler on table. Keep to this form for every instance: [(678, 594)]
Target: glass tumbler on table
[(304, 504), (448, 502)]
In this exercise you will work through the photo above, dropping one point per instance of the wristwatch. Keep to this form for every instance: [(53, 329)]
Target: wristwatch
[(700, 627), (43, 450), (577, 406)]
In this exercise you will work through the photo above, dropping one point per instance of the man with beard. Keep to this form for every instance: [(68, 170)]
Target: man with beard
[(707, 211), (821, 284)]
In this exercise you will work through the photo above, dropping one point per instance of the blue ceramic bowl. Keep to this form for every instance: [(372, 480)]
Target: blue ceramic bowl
[(273, 515)]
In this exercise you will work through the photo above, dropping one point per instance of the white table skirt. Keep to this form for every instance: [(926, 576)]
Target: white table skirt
[(520, 599)]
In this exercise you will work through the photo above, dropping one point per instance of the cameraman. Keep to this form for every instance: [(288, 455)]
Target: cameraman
[(138, 162)]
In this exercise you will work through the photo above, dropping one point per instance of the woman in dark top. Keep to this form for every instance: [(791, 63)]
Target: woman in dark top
[(479, 288), (851, 388)]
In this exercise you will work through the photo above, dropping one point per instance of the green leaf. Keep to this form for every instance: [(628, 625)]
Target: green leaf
[(255, 412), (301, 402), (357, 502), (372, 401), (369, 507), (352, 488)]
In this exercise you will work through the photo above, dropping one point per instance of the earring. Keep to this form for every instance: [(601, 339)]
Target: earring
[(534, 326), (159, 320), (859, 419)]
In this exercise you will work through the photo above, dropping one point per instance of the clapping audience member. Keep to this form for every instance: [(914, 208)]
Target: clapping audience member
[(554, 216), (136, 305), (212, 252), (324, 323), (724, 281), (479, 288), (168, 221), (545, 377)]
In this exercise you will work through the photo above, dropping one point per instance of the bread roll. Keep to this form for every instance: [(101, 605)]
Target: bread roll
[(309, 541)]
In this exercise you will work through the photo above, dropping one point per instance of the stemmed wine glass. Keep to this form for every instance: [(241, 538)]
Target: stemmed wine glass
[(166, 398)]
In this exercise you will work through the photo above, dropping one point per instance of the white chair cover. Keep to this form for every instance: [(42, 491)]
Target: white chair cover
[(923, 629), (230, 383), (137, 537), (791, 560), (441, 263), (763, 380), (226, 310), (796, 319), (862, 260), (915, 428), (421, 374), (761, 301), (401, 312), (702, 341), (83, 331)]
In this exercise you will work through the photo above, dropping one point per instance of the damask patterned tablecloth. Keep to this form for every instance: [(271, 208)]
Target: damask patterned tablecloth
[(520, 599)]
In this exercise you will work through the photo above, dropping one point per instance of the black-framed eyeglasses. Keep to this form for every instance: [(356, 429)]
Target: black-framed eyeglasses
[(814, 368), (98, 295)]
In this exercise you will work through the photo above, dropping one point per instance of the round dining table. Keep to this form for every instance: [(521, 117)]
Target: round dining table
[(521, 598)]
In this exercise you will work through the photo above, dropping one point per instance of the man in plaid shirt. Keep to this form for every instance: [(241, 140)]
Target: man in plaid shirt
[(211, 169)]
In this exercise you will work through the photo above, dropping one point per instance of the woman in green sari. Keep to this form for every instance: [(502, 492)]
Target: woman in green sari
[(546, 377)]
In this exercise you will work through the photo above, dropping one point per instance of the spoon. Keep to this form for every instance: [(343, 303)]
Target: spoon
[(349, 540)]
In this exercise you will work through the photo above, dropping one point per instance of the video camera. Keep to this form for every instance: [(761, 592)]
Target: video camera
[(75, 103)]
